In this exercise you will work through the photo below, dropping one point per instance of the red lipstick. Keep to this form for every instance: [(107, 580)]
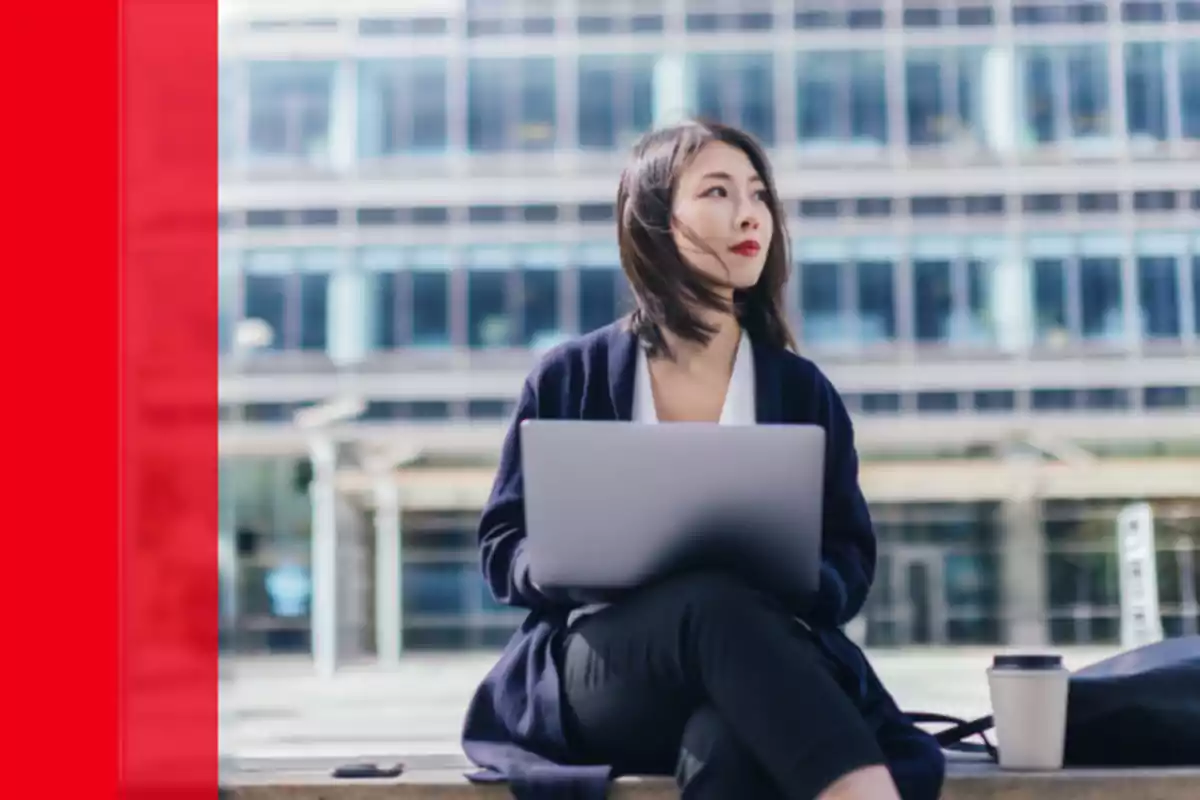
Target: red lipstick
[(746, 248)]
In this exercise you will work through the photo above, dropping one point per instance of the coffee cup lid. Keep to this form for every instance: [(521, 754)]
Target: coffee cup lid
[(1027, 661)]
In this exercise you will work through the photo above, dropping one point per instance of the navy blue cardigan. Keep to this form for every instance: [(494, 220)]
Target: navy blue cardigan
[(513, 729)]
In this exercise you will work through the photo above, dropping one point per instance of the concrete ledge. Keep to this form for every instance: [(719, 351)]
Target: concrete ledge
[(441, 778)]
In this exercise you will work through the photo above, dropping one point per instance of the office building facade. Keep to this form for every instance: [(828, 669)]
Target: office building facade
[(993, 213)]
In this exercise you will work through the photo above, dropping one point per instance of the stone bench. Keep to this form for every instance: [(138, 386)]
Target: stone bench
[(441, 778)]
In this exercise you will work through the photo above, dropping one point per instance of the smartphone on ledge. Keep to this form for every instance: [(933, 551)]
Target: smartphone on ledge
[(366, 771)]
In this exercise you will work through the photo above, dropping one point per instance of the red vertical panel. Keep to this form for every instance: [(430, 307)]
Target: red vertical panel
[(58, 401), (169, 522)]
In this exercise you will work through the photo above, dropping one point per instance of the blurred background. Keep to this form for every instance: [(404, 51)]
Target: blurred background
[(993, 207)]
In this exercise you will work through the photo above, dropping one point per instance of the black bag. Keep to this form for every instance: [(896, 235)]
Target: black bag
[(1140, 708)]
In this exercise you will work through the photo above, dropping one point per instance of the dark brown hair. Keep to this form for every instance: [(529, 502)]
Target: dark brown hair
[(669, 290)]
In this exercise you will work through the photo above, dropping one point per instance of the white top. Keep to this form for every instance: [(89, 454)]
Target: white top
[(739, 407)]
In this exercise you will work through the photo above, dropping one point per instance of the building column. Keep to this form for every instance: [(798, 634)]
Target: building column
[(353, 581), (389, 619), (322, 493), (1023, 571)]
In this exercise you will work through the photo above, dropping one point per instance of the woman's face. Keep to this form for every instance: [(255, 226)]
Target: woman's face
[(721, 203)]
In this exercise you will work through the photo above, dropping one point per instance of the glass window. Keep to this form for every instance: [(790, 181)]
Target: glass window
[(922, 17), (1158, 296), (511, 104), (1146, 91), (983, 297), (822, 208), (430, 215), (1098, 202), (932, 206), (1088, 111), (928, 80), (737, 89), (385, 295), (1053, 399), (383, 268), (487, 309), (1155, 200), (984, 205), (537, 104), (430, 308), (290, 110), (540, 213), (994, 400), (314, 310), (227, 121), (1064, 95), (1043, 203), (436, 587), (592, 25), (821, 317), (485, 215), (873, 207), (228, 300), (402, 106), (816, 19), (597, 297), (1039, 109), (539, 307), (976, 16), (932, 298), (841, 99), (1143, 11), (1106, 399), (747, 20), (876, 306), (1165, 397), (616, 99), (489, 317), (937, 402), (266, 298), (1081, 579), (1189, 88), (538, 26), (646, 23), (408, 298), (1101, 298), (1196, 293), (597, 212), (488, 409), (598, 102), (1050, 299), (289, 290), (488, 126), (881, 403)]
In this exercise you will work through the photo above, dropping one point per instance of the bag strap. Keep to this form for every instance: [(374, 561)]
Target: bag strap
[(954, 738)]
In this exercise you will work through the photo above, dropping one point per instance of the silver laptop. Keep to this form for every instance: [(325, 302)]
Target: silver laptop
[(612, 505)]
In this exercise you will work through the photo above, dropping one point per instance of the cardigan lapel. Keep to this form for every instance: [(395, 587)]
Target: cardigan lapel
[(622, 364), (768, 385)]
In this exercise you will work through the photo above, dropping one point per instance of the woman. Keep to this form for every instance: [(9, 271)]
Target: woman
[(698, 675)]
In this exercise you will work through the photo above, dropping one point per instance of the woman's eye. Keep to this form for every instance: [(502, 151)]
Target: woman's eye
[(715, 191), (762, 195)]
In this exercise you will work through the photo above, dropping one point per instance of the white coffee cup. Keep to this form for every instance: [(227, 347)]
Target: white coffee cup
[(1029, 705)]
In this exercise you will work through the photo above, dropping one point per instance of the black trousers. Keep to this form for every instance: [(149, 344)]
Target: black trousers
[(705, 678)]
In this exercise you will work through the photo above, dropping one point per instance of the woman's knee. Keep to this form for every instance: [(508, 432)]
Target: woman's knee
[(713, 762)]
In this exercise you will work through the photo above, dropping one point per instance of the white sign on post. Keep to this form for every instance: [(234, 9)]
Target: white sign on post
[(1141, 623)]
